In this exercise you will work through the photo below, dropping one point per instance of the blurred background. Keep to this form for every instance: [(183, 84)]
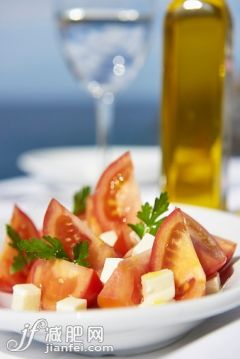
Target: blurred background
[(42, 105)]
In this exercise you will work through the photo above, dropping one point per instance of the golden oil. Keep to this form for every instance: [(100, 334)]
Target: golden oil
[(197, 60)]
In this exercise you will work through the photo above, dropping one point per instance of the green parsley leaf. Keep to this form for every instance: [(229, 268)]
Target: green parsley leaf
[(151, 217), (80, 252), (80, 200), (45, 248), (14, 236), (146, 213), (138, 228), (19, 261)]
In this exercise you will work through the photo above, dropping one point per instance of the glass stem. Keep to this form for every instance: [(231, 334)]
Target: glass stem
[(104, 123)]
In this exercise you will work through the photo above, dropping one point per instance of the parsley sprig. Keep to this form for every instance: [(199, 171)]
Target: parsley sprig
[(80, 200), (45, 248), (20, 260), (80, 252), (151, 217)]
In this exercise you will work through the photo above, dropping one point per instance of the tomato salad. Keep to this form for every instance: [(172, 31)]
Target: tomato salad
[(147, 246)]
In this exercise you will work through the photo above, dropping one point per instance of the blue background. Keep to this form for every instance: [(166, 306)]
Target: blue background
[(42, 105)]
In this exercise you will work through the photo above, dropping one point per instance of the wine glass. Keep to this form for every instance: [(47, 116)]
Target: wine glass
[(105, 43)]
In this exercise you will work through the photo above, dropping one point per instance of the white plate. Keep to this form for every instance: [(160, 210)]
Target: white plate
[(82, 165), (138, 330)]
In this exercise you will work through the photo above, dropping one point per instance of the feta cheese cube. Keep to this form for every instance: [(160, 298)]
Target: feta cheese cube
[(158, 287), (144, 245), (71, 304), (109, 238), (26, 297), (109, 266), (213, 285)]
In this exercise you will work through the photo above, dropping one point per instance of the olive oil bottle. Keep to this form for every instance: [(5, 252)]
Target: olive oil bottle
[(196, 83)]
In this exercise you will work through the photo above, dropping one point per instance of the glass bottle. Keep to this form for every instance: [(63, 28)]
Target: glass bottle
[(196, 91)]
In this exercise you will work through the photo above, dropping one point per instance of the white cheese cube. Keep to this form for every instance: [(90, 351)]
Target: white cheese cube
[(71, 304), (26, 297), (213, 285), (109, 238), (144, 245), (109, 267), (158, 287)]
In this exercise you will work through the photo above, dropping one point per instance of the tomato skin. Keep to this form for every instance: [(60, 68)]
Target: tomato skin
[(62, 224), (227, 246), (124, 243), (115, 203), (124, 286), (24, 226), (59, 279), (173, 249), (227, 271), (210, 253)]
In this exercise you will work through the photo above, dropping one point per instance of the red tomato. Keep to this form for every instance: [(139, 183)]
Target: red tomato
[(90, 217), (173, 249), (210, 254), (23, 225), (59, 279), (116, 202), (68, 228), (124, 286), (228, 247), (227, 271)]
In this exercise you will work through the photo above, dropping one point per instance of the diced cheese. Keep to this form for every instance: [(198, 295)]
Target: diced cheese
[(213, 285), (26, 297), (109, 238), (158, 287), (71, 304), (144, 245), (109, 266)]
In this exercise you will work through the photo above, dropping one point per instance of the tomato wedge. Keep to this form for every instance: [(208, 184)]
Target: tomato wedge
[(116, 202), (210, 253), (173, 249), (228, 247), (62, 224), (227, 271), (23, 225), (124, 286), (59, 279), (91, 218)]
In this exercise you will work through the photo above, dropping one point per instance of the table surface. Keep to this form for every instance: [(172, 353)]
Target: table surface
[(216, 337)]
